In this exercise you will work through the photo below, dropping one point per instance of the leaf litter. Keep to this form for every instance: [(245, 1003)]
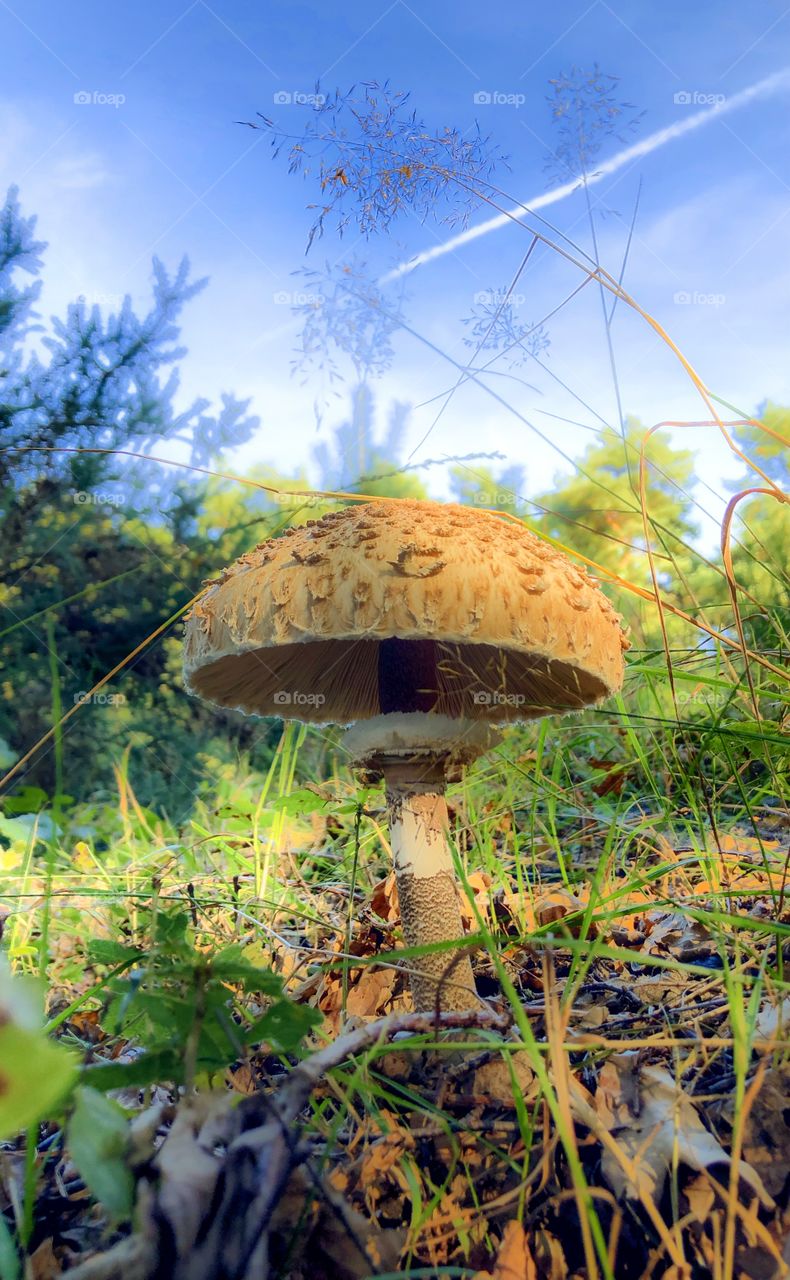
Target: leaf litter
[(393, 1157)]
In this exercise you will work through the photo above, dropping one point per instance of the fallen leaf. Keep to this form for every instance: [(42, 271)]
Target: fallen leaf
[(370, 996), (514, 1260), (380, 1170), (480, 884), (556, 905), (701, 1197), (617, 1094), (384, 899), (657, 988), (243, 1079), (43, 1265), (766, 1138), (494, 1081), (773, 1023), (549, 1257), (666, 1129)]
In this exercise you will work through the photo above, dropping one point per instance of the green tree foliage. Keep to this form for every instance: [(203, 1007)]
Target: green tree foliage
[(762, 530), (597, 512), (98, 550), (479, 486), (761, 572), (354, 461), (769, 449)]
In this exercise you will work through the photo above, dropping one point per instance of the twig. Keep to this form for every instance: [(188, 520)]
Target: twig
[(264, 1146)]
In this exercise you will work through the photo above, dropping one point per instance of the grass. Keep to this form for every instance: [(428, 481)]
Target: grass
[(623, 1111), (578, 841)]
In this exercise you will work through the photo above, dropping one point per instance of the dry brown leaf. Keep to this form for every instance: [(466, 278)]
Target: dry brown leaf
[(773, 1024), (370, 996), (701, 1197), (243, 1079), (557, 904), (494, 1081), (480, 885), (672, 932), (665, 1130), (396, 1064), (545, 908), (549, 1256), (766, 1138), (43, 1265), (617, 1095), (380, 1171), (658, 988), (589, 1018), (730, 843), (448, 1221), (514, 1260), (330, 1002), (384, 899)]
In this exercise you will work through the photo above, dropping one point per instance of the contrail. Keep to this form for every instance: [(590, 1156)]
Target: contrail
[(762, 89)]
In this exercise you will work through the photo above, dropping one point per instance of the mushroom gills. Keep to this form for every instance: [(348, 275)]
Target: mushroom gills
[(408, 678)]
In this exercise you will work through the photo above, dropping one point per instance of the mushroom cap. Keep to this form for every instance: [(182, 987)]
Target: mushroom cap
[(295, 627)]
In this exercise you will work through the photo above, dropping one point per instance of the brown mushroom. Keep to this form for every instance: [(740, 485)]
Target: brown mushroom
[(422, 625)]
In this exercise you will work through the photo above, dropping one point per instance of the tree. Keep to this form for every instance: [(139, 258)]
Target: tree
[(769, 449), (478, 486), (353, 461), (597, 511), (761, 529), (97, 550), (102, 386)]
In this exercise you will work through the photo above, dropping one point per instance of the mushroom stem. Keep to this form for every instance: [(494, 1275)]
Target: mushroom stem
[(429, 902)]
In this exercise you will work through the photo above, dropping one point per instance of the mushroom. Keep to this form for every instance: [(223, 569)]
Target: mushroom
[(423, 626)]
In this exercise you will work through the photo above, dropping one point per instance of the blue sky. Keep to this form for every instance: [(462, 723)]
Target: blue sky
[(167, 170)]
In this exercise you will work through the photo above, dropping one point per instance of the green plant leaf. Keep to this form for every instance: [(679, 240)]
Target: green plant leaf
[(230, 965), (163, 1067), (284, 1025), (105, 951), (35, 1076), (10, 1266), (26, 800), (97, 1138), (300, 801)]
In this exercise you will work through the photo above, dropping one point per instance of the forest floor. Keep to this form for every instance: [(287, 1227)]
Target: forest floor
[(621, 1108)]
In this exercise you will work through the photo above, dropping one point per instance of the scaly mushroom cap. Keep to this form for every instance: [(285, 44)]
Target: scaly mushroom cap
[(312, 625)]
